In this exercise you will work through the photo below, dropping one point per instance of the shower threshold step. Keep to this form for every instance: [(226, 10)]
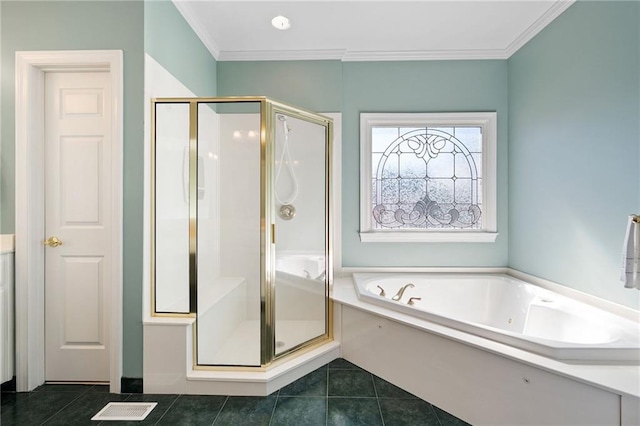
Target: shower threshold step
[(242, 347), (259, 383)]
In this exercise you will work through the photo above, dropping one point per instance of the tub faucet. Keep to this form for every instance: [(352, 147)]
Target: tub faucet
[(400, 292)]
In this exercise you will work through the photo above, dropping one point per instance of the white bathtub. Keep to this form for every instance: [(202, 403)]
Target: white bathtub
[(509, 311), (307, 265)]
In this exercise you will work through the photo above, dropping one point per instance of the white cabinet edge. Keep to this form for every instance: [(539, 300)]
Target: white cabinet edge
[(7, 243)]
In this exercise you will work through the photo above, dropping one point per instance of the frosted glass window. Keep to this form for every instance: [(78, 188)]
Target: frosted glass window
[(424, 173), (418, 181)]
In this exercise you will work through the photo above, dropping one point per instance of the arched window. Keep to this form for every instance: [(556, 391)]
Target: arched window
[(425, 175)]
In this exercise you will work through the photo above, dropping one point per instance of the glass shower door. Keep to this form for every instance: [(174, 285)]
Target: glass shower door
[(229, 229), (300, 189), (240, 219)]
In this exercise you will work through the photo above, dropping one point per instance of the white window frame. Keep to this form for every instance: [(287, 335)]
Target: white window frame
[(486, 120)]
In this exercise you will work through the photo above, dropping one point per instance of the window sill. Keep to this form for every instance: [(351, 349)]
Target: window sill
[(428, 237)]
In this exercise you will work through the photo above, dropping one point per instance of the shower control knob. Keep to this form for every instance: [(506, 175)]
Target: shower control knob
[(287, 212)]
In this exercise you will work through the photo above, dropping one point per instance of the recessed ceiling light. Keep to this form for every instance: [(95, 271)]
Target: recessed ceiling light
[(281, 22)]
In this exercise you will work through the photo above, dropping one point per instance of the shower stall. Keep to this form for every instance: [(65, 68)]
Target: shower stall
[(240, 226)]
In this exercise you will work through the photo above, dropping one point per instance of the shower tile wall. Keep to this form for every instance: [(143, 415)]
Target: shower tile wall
[(240, 203), (208, 197), (172, 208)]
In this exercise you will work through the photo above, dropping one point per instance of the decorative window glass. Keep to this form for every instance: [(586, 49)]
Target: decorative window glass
[(428, 177)]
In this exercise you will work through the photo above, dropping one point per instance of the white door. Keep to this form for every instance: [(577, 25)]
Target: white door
[(78, 213)]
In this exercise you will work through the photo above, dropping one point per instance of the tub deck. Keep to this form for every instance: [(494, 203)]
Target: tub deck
[(621, 378), (510, 311)]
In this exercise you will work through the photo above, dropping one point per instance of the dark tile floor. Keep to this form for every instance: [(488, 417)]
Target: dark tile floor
[(339, 393)]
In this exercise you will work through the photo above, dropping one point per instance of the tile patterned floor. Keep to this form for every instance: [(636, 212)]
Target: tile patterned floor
[(339, 393)]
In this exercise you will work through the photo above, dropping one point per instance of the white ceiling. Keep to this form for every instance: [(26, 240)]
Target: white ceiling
[(356, 30)]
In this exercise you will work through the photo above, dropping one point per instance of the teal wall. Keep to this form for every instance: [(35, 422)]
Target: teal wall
[(430, 86), (133, 27), (574, 148), (65, 25), (172, 43), (355, 87), (314, 85), (568, 103)]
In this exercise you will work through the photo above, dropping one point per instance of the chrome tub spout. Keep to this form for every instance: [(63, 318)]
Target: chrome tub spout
[(400, 292)]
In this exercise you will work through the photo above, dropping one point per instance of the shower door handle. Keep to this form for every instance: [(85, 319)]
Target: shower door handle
[(273, 233)]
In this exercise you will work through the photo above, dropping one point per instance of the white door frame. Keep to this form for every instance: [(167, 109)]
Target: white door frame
[(29, 255)]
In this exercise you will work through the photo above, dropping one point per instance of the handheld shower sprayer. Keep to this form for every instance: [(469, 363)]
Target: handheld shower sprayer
[(286, 127), (287, 211)]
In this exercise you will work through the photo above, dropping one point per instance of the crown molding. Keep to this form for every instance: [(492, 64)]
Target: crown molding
[(355, 56), (196, 25), (545, 19), (424, 55), (194, 21), (282, 55)]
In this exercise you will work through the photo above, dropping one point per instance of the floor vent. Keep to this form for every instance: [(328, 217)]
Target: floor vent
[(131, 411)]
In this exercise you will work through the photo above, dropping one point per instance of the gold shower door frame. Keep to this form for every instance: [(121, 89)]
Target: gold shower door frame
[(268, 110)]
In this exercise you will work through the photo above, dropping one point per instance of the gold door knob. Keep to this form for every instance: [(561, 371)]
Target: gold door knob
[(53, 242)]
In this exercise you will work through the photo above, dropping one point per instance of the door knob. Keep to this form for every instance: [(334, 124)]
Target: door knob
[(53, 242)]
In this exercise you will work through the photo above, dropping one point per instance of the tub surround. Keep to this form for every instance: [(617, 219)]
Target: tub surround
[(620, 378), (589, 299), (513, 385), (507, 310)]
